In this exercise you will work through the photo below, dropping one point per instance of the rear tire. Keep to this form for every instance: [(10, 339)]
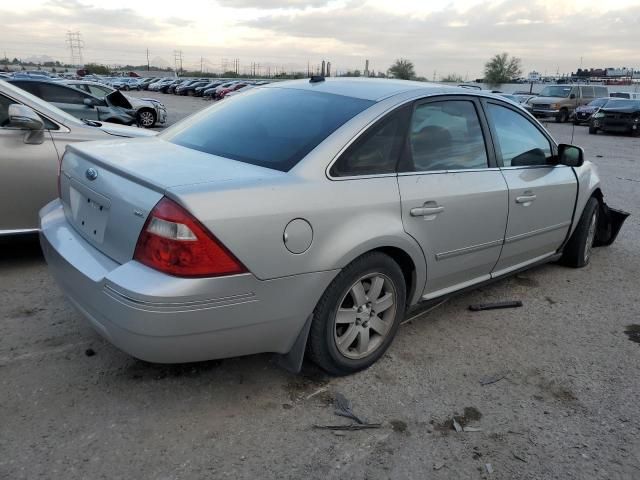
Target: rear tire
[(577, 252), (347, 333)]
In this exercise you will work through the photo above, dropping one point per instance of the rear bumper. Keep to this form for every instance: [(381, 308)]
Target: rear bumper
[(164, 319)]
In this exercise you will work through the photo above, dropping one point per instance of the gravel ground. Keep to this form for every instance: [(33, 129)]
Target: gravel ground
[(565, 407)]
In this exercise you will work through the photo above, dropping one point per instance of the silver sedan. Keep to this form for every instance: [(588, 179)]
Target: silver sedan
[(308, 216)]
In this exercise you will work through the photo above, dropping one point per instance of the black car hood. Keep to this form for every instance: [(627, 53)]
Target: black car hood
[(116, 99)]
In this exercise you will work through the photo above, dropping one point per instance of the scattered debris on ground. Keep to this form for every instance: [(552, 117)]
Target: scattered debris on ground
[(633, 332), (89, 352), (343, 408), (489, 379), (495, 305), (349, 427)]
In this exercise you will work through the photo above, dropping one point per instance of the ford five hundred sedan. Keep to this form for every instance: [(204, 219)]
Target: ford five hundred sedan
[(306, 217)]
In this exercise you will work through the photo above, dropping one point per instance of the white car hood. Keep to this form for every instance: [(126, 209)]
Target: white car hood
[(125, 131)]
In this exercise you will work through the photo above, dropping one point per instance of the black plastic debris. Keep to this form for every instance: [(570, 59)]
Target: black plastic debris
[(494, 306), (89, 352)]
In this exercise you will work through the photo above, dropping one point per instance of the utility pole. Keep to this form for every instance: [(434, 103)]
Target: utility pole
[(148, 66), (76, 44), (200, 66)]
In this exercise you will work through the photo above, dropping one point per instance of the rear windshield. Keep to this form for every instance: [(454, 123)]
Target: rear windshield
[(269, 127)]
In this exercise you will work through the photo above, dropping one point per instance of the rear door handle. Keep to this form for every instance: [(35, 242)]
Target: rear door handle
[(525, 198), (425, 211)]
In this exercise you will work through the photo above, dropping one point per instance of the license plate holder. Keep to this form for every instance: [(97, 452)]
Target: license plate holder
[(90, 211)]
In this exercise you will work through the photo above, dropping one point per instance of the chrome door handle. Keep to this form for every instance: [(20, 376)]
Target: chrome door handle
[(525, 198), (425, 211)]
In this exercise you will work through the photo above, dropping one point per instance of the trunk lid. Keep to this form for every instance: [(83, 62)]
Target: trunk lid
[(109, 188)]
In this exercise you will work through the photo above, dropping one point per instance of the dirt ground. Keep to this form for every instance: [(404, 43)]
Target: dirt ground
[(560, 399)]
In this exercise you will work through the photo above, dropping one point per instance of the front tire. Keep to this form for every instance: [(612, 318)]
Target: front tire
[(358, 316), (146, 118), (563, 116), (577, 252), (593, 130)]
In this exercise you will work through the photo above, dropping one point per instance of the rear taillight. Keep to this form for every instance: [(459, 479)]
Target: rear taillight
[(174, 242)]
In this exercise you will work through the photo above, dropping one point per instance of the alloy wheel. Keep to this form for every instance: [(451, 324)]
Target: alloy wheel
[(365, 316)]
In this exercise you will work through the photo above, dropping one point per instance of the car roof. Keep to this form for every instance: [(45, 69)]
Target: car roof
[(374, 89)]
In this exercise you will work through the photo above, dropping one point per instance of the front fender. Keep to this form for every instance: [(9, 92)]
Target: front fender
[(588, 184)]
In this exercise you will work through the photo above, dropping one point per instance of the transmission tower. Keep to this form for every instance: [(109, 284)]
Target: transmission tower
[(76, 44), (177, 58)]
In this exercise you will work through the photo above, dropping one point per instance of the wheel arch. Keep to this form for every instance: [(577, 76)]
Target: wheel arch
[(406, 253)]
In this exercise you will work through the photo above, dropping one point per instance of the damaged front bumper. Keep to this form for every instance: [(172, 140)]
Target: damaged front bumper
[(609, 225)]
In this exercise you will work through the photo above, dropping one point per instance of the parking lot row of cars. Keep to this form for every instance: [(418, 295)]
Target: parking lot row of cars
[(90, 99)]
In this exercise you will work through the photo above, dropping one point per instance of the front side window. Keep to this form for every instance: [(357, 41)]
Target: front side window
[(376, 151), (270, 127), (446, 136), (56, 93), (518, 141), (601, 92)]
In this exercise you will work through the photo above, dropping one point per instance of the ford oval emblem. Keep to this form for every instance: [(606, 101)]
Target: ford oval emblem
[(91, 174)]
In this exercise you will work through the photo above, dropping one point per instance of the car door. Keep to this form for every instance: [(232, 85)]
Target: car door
[(28, 174), (69, 99), (453, 196), (542, 195)]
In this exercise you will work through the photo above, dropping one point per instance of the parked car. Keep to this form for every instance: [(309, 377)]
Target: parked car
[(189, 88), (149, 111), (212, 92), (156, 86), (199, 91), (145, 82), (619, 116), (560, 101), (172, 87), (161, 245), (164, 87), (126, 83), (33, 136), (627, 95), (232, 88), (512, 98), (114, 108), (239, 91), (584, 112)]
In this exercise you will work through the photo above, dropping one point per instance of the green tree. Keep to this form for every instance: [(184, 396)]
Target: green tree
[(97, 69), (502, 68), (452, 78), (402, 69)]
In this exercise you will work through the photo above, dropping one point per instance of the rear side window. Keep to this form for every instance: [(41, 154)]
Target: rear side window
[(587, 92), (601, 92), (269, 127), (519, 142), (447, 136), (377, 151)]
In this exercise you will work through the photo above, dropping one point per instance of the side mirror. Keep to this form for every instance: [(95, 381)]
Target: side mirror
[(21, 116), (90, 102), (570, 155), (572, 96)]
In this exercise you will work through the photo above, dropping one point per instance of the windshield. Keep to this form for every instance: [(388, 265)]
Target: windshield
[(599, 102), (621, 103), (269, 127), (37, 103), (556, 91)]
